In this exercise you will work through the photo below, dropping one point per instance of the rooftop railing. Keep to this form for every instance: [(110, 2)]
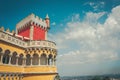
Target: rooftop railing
[(4, 36)]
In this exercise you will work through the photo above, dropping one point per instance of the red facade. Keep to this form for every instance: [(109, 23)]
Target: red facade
[(25, 32), (39, 33)]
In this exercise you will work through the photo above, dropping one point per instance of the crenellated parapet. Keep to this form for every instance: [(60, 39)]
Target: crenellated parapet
[(31, 20)]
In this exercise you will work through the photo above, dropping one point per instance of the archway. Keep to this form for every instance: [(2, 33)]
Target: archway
[(43, 59), (6, 57), (28, 59), (14, 58), (35, 59), (20, 59)]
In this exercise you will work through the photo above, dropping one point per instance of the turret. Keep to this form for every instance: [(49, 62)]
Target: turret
[(47, 21), (33, 27)]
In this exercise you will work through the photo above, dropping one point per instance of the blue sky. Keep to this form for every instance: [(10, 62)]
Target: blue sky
[(87, 32)]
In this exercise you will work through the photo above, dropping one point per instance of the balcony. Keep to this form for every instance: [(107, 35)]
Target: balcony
[(4, 36), (43, 43), (7, 37)]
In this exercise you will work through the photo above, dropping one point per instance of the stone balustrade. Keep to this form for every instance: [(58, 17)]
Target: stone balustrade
[(4, 36), (41, 44)]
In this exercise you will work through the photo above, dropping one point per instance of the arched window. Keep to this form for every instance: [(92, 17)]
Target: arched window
[(6, 57), (43, 59), (50, 60), (35, 59), (0, 53), (20, 59), (28, 59), (14, 58)]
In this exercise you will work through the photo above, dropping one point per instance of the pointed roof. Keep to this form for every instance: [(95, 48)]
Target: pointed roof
[(47, 16)]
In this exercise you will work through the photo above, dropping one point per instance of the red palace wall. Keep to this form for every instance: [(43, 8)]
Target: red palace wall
[(38, 34), (25, 32)]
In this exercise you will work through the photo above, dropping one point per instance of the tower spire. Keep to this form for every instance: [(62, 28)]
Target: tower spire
[(47, 17)]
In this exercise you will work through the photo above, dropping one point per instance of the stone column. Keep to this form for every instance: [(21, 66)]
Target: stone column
[(1, 59), (17, 59), (24, 61), (31, 60), (39, 60), (10, 60)]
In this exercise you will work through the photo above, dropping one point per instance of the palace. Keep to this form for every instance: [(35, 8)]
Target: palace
[(26, 54)]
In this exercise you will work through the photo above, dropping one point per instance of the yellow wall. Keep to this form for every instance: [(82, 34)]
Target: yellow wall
[(10, 68), (39, 77), (12, 48), (40, 69), (49, 71)]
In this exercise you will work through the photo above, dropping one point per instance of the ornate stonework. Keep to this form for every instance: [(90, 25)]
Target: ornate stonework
[(27, 57)]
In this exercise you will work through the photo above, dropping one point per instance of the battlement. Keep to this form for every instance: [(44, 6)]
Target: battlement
[(31, 19), (32, 26)]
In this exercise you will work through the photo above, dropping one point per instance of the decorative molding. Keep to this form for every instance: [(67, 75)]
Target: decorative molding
[(31, 19), (21, 43)]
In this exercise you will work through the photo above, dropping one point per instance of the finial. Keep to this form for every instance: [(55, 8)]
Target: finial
[(47, 17)]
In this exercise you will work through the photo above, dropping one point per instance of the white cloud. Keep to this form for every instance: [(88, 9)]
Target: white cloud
[(89, 42), (96, 5), (53, 24), (92, 18)]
